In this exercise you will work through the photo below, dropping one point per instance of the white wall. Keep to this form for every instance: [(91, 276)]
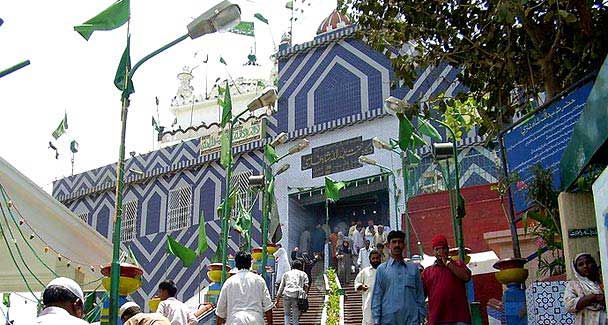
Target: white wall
[(600, 197)]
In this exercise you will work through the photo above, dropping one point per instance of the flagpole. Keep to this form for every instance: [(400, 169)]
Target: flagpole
[(115, 266)]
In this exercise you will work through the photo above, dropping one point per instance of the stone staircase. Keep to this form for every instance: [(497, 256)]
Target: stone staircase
[(352, 304), (316, 296)]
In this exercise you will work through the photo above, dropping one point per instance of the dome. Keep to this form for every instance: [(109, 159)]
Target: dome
[(334, 21)]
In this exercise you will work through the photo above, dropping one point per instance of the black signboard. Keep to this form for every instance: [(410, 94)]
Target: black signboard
[(581, 233), (337, 157)]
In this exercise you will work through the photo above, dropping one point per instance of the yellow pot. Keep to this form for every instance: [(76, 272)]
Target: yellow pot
[(153, 304), (214, 275), (271, 249), (127, 285), (514, 275)]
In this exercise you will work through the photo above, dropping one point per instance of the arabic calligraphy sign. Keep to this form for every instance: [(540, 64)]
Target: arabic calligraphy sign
[(249, 131), (581, 233), (337, 157), (542, 139)]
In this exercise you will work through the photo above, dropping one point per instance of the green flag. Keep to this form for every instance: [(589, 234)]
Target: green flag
[(261, 18), (289, 4), (274, 228), (155, 125), (113, 17), (124, 66), (222, 61), (270, 154), (332, 189), (405, 132), (244, 28), (185, 254), (74, 146), (202, 236), (6, 299), (243, 219), (60, 130), (226, 149), (226, 105), (426, 128)]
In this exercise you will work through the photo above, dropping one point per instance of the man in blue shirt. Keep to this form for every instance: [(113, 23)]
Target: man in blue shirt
[(398, 297)]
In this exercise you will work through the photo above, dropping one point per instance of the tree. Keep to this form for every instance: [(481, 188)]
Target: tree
[(507, 47)]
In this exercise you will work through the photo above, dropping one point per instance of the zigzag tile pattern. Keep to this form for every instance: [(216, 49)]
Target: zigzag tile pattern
[(149, 245), (152, 164)]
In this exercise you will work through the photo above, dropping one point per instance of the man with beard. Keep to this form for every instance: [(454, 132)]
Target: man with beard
[(364, 282), (398, 296)]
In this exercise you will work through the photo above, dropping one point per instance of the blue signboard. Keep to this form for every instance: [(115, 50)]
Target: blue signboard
[(542, 139)]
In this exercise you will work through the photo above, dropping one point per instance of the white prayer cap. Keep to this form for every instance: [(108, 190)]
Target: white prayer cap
[(126, 306), (69, 284)]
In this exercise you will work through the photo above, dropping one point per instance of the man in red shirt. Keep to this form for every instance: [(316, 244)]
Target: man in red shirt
[(444, 285)]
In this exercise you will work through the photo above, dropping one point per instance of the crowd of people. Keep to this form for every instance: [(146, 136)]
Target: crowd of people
[(394, 290)]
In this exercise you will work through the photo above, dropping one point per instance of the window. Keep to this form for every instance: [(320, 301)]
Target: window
[(129, 221), (84, 217), (240, 183), (180, 203)]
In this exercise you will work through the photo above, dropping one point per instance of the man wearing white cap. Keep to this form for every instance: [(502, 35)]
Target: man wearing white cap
[(63, 303), (130, 314)]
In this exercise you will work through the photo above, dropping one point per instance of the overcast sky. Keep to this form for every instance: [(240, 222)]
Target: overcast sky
[(69, 74)]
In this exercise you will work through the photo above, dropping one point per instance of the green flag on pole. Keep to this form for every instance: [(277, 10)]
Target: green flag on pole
[(222, 61), (289, 4), (261, 18), (405, 132), (202, 236), (123, 70), (332, 189), (226, 149), (226, 105), (6, 299), (60, 130), (426, 128), (270, 154), (113, 17), (185, 254), (244, 28), (274, 228)]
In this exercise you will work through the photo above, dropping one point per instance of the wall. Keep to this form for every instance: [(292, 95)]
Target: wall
[(600, 197), (430, 215)]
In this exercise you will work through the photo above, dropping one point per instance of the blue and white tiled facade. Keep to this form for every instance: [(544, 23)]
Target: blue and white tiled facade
[(331, 89), (545, 303)]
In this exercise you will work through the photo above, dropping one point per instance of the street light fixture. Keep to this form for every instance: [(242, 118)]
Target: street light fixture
[(379, 144), (219, 18), (364, 160), (282, 169), (301, 145), (267, 99), (279, 139), (442, 151)]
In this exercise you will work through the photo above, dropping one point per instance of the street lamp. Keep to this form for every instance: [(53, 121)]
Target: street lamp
[(401, 107), (364, 160), (220, 17), (279, 139), (268, 98)]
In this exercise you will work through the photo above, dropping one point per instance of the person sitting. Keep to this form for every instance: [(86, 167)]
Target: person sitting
[(584, 295), (130, 313), (63, 303)]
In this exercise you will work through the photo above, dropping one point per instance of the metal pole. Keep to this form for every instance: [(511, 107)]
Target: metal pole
[(14, 68), (115, 266), (406, 189)]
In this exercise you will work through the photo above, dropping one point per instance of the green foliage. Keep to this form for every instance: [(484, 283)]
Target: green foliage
[(463, 115), (528, 46), (333, 301), (545, 212)]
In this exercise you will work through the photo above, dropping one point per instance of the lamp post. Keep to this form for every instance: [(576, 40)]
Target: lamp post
[(267, 99), (219, 18), (401, 107), (369, 161), (405, 170)]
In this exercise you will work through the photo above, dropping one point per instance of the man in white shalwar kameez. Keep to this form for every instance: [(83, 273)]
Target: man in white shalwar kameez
[(244, 298), (282, 262), (364, 282)]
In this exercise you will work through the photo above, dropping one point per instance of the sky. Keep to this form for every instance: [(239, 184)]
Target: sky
[(71, 75)]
